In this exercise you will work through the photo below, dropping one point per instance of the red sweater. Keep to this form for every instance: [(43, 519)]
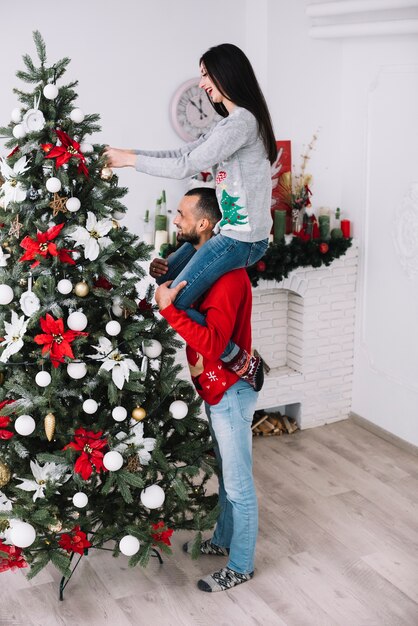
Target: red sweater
[(227, 307)]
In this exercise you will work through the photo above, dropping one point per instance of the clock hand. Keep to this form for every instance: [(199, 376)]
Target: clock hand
[(202, 113)]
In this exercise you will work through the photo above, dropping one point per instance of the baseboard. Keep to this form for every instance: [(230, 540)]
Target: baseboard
[(384, 434)]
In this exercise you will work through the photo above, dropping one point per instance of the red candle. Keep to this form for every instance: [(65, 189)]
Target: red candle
[(345, 227)]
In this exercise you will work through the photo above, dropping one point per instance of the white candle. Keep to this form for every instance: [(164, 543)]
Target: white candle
[(161, 236)]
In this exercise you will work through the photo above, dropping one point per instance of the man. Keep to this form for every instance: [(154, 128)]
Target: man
[(229, 400)]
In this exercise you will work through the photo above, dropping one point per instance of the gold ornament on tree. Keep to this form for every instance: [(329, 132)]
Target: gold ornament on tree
[(15, 227), (138, 413), (5, 474), (82, 289), (106, 173), (49, 425), (133, 464), (56, 527), (58, 205)]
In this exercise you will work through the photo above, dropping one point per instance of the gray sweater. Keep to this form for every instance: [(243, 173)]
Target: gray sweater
[(242, 170)]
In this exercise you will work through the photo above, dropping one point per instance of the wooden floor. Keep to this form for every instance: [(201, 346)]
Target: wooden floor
[(338, 544)]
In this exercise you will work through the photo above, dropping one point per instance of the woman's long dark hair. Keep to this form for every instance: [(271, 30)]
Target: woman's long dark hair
[(232, 73)]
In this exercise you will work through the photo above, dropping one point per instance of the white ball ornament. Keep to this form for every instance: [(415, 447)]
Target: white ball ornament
[(77, 116), (76, 370), (153, 349), (43, 379), (73, 205), (16, 115), (119, 413), (90, 406), (22, 534), (129, 545), (80, 500), (152, 497), (6, 294), (113, 328), (178, 409), (113, 460), (65, 286), (77, 321), (118, 215), (25, 425), (19, 131), (86, 147), (50, 91), (116, 307), (53, 184)]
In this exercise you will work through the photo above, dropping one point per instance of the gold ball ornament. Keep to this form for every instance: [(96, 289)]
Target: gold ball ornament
[(5, 474), (56, 527), (49, 425), (115, 224), (81, 289), (138, 413), (106, 173)]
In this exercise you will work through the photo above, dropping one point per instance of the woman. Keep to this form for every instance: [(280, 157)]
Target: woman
[(241, 148)]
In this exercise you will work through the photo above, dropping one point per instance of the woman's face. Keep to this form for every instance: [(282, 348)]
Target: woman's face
[(207, 84)]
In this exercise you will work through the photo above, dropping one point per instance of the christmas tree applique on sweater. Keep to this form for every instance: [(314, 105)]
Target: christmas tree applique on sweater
[(230, 212)]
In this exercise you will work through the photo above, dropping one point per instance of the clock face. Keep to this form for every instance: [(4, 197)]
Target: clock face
[(192, 114)]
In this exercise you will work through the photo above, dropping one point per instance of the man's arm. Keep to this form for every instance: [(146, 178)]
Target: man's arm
[(221, 313)]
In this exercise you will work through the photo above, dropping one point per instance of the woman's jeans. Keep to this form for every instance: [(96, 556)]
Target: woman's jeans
[(237, 524), (202, 268)]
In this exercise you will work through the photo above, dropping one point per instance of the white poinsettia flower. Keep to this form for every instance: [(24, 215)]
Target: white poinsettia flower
[(3, 258), (114, 361), (50, 472), (92, 237), (13, 339), (12, 190), (143, 445), (5, 503)]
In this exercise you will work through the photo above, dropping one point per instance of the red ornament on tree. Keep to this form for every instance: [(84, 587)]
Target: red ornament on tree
[(261, 266), (68, 149), (10, 557), (103, 283), (56, 341), (164, 536), (43, 246), (5, 422), (323, 248), (75, 542), (90, 445)]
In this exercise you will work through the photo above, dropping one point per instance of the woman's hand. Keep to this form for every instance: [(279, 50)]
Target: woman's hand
[(115, 157)]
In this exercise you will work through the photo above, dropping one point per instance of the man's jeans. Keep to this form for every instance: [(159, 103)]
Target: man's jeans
[(202, 268), (230, 425)]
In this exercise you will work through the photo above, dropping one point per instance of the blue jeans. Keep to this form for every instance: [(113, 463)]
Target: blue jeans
[(237, 523), (202, 268)]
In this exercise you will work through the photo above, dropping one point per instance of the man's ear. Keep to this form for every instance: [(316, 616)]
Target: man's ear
[(204, 224)]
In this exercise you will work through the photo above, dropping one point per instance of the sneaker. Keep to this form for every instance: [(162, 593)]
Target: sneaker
[(207, 547), (223, 580)]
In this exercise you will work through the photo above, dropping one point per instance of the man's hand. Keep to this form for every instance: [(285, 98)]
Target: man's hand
[(115, 157), (158, 267), (164, 296)]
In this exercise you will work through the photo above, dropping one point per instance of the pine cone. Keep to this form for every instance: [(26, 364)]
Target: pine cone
[(133, 464)]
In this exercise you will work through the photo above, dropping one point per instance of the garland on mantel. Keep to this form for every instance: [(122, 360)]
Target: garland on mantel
[(282, 258)]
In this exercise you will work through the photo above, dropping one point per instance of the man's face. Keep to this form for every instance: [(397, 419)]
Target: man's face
[(186, 221)]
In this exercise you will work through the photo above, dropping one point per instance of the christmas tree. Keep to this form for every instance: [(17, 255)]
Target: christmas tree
[(100, 440)]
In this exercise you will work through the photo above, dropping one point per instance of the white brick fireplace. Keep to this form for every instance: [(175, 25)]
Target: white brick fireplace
[(303, 328)]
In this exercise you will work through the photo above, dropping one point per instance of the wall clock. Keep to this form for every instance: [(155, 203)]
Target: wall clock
[(191, 113)]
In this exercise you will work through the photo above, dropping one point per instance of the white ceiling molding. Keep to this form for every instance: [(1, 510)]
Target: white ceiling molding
[(362, 18), (363, 29), (346, 7)]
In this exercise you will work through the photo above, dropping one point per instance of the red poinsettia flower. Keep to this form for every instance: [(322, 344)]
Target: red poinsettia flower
[(4, 422), (43, 245), (75, 542), (164, 536), (90, 445), (10, 557), (56, 340), (15, 149), (68, 149), (103, 283)]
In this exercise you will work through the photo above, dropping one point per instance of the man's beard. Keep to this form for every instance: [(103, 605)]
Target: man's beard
[(189, 237)]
